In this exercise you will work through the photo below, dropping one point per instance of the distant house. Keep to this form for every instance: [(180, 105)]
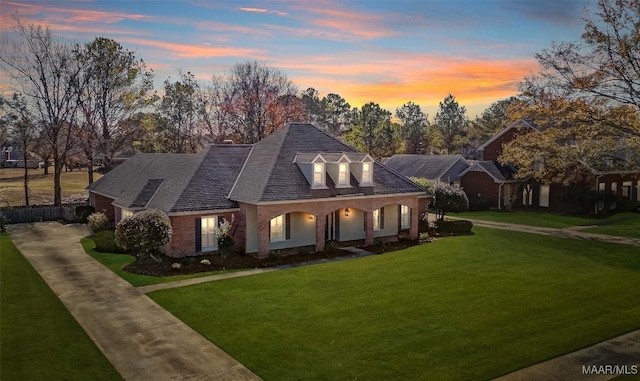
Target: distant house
[(297, 187), (443, 168)]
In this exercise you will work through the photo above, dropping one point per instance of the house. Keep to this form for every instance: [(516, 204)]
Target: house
[(297, 187), (443, 168)]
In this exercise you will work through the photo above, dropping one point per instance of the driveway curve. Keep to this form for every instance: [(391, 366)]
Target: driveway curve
[(142, 340)]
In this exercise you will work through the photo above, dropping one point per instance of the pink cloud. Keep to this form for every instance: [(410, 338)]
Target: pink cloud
[(192, 51)]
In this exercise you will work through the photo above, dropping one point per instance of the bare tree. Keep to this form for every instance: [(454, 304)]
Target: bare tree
[(253, 94), (44, 69)]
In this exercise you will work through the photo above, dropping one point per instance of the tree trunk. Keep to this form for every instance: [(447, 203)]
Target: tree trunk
[(26, 180), (90, 170), (57, 173), (46, 167)]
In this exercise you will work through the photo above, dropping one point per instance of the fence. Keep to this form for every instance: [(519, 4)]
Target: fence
[(39, 213)]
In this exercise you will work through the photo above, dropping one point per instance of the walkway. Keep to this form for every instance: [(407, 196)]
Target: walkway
[(142, 340)]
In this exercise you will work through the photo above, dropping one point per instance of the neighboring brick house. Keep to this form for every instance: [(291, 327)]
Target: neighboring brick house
[(444, 168), (297, 187)]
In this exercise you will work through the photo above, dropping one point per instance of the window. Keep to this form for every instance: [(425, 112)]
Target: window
[(126, 213), (343, 174), (366, 172), (318, 174), (405, 217), (626, 189), (277, 229), (527, 195), (378, 219), (614, 191), (544, 196), (208, 238)]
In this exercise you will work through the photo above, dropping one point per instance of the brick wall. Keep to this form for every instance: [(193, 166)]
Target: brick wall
[(103, 204), (183, 239), (474, 183)]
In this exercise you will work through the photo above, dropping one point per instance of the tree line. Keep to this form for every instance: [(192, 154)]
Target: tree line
[(91, 101)]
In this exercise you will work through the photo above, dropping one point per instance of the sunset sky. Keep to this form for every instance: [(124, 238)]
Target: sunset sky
[(389, 52)]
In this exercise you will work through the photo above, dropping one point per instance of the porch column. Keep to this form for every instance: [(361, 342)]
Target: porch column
[(415, 218), (263, 234), (321, 223), (368, 228)]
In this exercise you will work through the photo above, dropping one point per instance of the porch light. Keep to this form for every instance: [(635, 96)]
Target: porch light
[(311, 216), (347, 212)]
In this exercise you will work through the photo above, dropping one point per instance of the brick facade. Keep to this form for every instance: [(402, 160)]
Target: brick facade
[(102, 204), (479, 185), (494, 149)]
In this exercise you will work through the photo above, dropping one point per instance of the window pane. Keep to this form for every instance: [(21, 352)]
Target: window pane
[(342, 175), (366, 172), (376, 219), (405, 220), (277, 228), (317, 173), (209, 240)]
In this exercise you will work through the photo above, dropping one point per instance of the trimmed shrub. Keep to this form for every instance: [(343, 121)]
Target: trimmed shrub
[(82, 212), (98, 222), (446, 198), (145, 232), (454, 227), (106, 242)]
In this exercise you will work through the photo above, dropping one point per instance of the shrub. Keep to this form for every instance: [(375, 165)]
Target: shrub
[(144, 232), (225, 242), (106, 242), (98, 222), (454, 227), (82, 212), (446, 198)]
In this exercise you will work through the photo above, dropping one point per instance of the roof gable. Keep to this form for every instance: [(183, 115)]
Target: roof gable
[(520, 123), (499, 173)]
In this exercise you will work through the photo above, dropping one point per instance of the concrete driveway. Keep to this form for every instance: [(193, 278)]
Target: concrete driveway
[(142, 340)]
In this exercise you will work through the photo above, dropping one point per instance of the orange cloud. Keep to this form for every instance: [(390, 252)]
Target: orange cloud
[(334, 15), (192, 51)]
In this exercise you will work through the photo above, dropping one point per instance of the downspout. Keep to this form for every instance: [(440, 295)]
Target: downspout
[(500, 195)]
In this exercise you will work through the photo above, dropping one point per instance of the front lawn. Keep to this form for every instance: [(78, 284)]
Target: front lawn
[(471, 307), (39, 339), (622, 225), (542, 219)]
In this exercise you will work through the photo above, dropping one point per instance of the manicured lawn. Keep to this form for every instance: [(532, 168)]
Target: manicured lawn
[(39, 339), (472, 307), (115, 262), (532, 218), (623, 225), (40, 185)]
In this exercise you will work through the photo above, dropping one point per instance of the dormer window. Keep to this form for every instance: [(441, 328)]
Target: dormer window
[(366, 173), (343, 174), (318, 175)]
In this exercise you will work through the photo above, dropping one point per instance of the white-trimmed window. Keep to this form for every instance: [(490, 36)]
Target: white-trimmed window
[(377, 220), (343, 173), (544, 196), (405, 217), (277, 229), (367, 170), (208, 238), (626, 189), (126, 213), (318, 175)]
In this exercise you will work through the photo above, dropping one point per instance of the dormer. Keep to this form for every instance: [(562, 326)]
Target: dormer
[(313, 167), (338, 169), (361, 166)]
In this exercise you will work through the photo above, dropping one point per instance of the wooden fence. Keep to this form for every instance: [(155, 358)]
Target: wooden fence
[(15, 215)]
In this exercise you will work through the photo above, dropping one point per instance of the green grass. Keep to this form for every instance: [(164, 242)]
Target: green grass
[(472, 307), (39, 339), (622, 225), (115, 262), (541, 219)]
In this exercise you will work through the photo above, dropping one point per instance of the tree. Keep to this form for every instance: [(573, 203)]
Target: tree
[(47, 73), (338, 114), (314, 112), (414, 127), (451, 123), (21, 122), (374, 133), (446, 198), (254, 94), (114, 85), (604, 65), (179, 105)]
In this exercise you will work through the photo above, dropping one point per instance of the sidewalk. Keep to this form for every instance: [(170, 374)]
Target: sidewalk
[(142, 340)]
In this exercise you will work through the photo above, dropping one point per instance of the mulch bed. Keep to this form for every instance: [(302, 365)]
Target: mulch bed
[(164, 266)]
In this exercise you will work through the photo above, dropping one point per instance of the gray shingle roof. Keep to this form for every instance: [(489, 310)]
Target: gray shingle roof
[(175, 182), (270, 173), (432, 167), (500, 173)]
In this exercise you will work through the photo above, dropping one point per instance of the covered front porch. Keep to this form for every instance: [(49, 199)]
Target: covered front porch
[(274, 226)]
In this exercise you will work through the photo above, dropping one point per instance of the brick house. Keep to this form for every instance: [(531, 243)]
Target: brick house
[(297, 187)]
